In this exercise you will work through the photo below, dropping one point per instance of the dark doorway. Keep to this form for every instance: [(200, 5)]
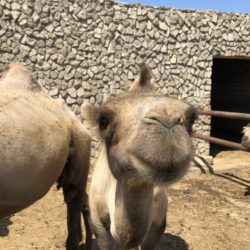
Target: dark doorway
[(230, 92)]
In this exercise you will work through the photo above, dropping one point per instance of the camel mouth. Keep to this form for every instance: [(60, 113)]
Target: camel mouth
[(170, 175), (167, 173)]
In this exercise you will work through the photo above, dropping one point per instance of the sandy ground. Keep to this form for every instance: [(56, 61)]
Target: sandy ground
[(206, 211)]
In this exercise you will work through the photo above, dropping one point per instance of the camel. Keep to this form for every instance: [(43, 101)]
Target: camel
[(146, 146), (42, 142), (245, 141)]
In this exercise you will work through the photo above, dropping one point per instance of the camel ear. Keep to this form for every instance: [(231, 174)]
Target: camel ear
[(142, 82), (89, 113)]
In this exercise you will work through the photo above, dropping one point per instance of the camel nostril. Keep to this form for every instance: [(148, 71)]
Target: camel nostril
[(167, 123), (151, 120), (155, 119)]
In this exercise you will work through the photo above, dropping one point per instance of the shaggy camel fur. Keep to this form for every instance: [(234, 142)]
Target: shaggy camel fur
[(41, 141), (245, 142), (146, 146)]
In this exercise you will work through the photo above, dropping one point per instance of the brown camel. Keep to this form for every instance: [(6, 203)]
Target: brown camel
[(42, 142), (147, 145)]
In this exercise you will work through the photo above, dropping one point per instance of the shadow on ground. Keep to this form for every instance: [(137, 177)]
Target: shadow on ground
[(168, 241), (172, 241), (4, 223), (204, 166)]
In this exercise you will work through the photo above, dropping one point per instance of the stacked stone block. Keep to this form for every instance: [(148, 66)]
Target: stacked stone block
[(88, 51)]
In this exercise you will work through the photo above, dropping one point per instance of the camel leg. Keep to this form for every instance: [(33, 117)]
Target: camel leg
[(102, 233), (73, 181), (74, 201), (77, 204), (86, 218), (153, 237), (105, 241)]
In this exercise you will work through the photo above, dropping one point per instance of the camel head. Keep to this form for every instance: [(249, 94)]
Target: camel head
[(18, 76), (147, 135)]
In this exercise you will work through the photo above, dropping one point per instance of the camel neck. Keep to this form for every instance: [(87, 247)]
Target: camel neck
[(133, 207)]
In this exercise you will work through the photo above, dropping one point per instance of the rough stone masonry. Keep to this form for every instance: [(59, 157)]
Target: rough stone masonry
[(87, 51)]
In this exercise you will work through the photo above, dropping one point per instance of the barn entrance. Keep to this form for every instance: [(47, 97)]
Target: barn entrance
[(230, 92)]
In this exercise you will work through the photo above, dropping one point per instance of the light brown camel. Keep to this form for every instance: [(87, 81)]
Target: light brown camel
[(42, 142), (147, 145), (245, 141)]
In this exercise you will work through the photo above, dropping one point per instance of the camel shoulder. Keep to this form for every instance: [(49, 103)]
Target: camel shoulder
[(76, 125)]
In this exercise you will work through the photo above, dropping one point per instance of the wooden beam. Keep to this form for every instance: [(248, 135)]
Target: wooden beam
[(219, 141), (231, 115)]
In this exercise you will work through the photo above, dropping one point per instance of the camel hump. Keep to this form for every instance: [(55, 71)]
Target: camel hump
[(18, 76)]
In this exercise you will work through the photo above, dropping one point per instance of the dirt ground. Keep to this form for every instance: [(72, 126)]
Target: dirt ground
[(206, 211)]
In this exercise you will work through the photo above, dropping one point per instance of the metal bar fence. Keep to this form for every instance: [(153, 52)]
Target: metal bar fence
[(224, 114)]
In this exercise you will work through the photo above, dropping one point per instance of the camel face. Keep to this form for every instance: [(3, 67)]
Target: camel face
[(147, 135)]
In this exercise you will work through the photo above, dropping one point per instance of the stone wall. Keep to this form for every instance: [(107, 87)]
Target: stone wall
[(88, 51)]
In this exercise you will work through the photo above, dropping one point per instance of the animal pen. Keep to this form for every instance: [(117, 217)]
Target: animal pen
[(88, 51), (223, 114)]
